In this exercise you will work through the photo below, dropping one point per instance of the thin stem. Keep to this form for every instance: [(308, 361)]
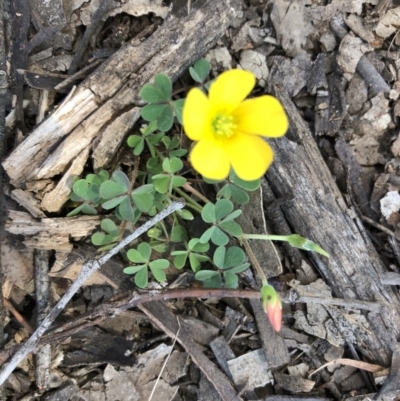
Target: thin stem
[(265, 236), (184, 195), (195, 192), (254, 261)]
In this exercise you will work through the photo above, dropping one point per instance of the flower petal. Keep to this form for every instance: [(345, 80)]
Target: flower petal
[(249, 155), (209, 158), (263, 115), (274, 314), (195, 115), (230, 89)]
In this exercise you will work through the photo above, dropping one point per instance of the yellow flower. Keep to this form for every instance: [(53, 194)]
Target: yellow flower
[(227, 128)]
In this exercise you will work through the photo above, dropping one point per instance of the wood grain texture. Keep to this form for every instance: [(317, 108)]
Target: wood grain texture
[(114, 89), (318, 211)]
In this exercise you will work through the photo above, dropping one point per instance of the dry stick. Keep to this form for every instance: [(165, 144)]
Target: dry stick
[(87, 270), (113, 308)]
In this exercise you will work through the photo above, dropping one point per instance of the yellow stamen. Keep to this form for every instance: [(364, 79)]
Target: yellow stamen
[(223, 126)]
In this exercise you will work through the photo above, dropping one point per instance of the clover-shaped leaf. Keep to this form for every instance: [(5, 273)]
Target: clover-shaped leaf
[(200, 70), (109, 236), (142, 255)]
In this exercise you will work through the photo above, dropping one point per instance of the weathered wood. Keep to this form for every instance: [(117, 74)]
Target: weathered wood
[(114, 88), (318, 211), (160, 315), (50, 233)]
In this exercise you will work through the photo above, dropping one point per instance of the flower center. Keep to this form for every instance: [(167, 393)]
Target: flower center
[(223, 126)]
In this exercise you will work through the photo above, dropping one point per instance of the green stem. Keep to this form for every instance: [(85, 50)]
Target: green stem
[(266, 236), (192, 202)]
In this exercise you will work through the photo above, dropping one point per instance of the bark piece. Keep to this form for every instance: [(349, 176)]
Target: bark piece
[(319, 213), (351, 50), (251, 369), (223, 352), (50, 233), (161, 316), (112, 137), (113, 87), (27, 201), (294, 384), (53, 201)]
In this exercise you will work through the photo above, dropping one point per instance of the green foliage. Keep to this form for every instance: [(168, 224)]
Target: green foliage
[(108, 237), (166, 181), (87, 191), (148, 138), (141, 257), (230, 263), (221, 216), (237, 189), (195, 252), (160, 108), (200, 70)]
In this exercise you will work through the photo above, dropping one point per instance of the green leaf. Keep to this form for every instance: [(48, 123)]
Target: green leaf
[(176, 165), (145, 250), (178, 233), (239, 195), (157, 267), (247, 185), (88, 209), (208, 213), (110, 189), (133, 140), (113, 202), (219, 256), (207, 234), (159, 246), (152, 94), (178, 153), (154, 166), (143, 197), (134, 269), (164, 84), (125, 209), (152, 112), (139, 147), (80, 188), (231, 280), (239, 269), (99, 239), (141, 277), (225, 192), (234, 257), (135, 256), (178, 108), (121, 178), (109, 227), (180, 259), (149, 128), (166, 119), (232, 216), (205, 274), (185, 214), (200, 70), (178, 181), (196, 260), (196, 246), (161, 184), (222, 208), (213, 282), (232, 228), (218, 237)]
